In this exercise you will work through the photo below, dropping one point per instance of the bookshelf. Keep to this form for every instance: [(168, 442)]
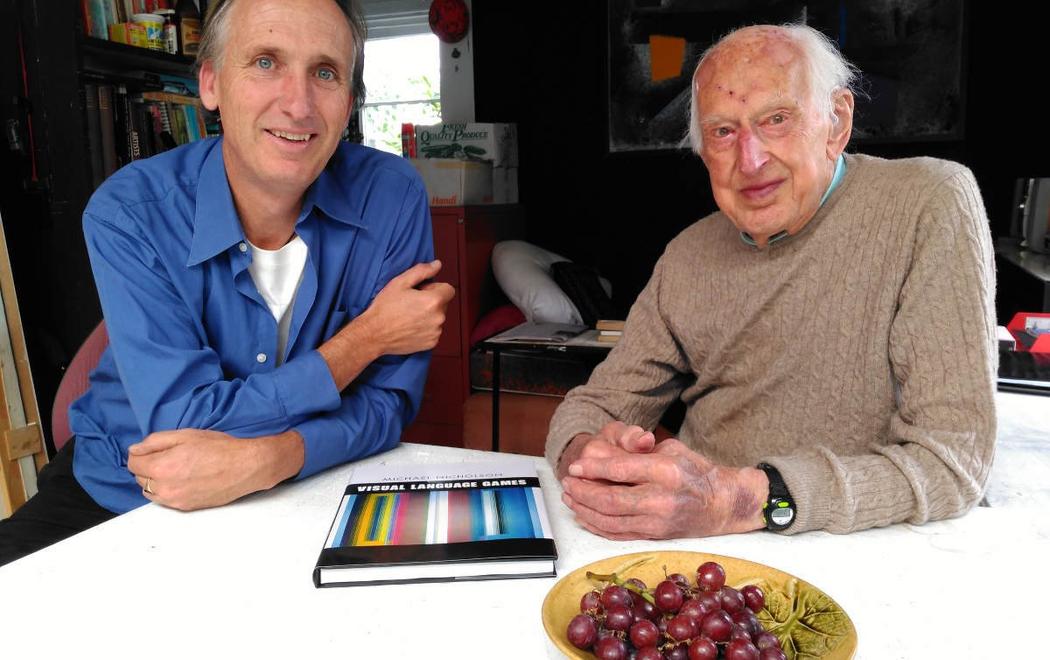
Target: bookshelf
[(108, 56), (56, 290)]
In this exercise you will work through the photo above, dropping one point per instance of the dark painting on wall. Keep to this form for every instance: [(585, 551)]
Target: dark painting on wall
[(910, 53)]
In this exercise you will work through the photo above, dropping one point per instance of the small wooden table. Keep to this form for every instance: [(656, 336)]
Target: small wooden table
[(584, 346)]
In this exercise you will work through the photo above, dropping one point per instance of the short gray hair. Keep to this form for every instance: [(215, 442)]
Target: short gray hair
[(829, 73), (217, 29)]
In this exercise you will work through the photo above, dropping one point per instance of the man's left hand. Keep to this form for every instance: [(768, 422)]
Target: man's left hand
[(671, 492), (191, 469)]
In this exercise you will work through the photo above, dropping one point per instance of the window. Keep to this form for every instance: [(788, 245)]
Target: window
[(403, 83)]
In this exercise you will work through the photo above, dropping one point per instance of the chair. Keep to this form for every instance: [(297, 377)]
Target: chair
[(75, 382)]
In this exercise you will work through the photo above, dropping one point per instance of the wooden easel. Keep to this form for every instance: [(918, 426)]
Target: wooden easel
[(22, 452)]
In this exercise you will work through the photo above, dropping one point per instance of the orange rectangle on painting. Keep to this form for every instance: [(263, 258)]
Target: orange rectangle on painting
[(459, 517), (665, 56)]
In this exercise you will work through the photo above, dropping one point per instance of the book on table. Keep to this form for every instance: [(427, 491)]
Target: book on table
[(540, 333), (609, 331), (438, 523)]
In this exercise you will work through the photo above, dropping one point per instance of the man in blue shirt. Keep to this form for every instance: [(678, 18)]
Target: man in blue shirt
[(266, 294)]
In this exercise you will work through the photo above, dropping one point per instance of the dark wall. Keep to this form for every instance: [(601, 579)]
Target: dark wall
[(546, 70)]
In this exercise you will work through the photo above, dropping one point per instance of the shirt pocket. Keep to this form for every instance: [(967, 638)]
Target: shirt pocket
[(339, 318)]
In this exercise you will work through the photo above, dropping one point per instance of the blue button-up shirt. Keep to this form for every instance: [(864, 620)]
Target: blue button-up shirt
[(191, 339)]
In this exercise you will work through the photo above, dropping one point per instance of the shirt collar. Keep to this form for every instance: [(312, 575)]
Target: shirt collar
[(216, 225), (329, 193), (836, 179)]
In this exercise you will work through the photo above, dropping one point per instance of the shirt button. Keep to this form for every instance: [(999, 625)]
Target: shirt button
[(243, 247), (260, 358)]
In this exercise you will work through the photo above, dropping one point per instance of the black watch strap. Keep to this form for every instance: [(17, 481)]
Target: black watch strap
[(779, 509)]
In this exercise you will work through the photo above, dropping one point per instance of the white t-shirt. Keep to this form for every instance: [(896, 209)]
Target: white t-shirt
[(277, 275)]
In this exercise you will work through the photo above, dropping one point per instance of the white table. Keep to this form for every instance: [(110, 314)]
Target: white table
[(234, 582)]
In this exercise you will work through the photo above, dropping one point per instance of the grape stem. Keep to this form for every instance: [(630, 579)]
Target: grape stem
[(617, 580)]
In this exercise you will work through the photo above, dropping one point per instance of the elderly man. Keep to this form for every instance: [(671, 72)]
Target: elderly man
[(265, 292), (830, 329)]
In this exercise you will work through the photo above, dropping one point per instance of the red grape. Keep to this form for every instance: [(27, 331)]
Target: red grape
[(739, 632), (710, 576), (767, 640), (771, 654), (703, 648), (749, 621), (732, 600), (679, 652), (649, 653), (644, 633), (614, 594), (618, 617), (710, 601), (692, 608), (754, 598), (611, 648), (679, 579), (741, 649), (582, 632), (590, 601), (643, 609), (717, 625), (668, 596), (682, 627)]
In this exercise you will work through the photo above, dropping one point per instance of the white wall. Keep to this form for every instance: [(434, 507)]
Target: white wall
[(457, 77)]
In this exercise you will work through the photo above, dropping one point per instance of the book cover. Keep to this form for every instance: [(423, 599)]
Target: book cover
[(438, 523)]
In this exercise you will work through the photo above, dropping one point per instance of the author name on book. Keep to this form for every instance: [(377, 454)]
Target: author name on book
[(440, 485)]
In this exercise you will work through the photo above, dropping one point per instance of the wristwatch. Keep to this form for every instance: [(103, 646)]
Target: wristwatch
[(779, 509)]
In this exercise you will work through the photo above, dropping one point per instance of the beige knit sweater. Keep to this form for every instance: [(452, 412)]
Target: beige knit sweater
[(858, 356)]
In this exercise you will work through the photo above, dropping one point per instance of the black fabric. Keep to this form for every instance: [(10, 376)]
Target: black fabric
[(60, 509), (580, 283)]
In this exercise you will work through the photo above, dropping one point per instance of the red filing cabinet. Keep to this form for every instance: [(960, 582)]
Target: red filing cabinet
[(463, 240)]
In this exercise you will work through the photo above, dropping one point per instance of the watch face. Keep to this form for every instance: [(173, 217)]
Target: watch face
[(779, 513), (782, 517)]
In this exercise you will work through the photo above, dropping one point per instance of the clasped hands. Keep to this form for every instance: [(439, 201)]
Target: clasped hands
[(622, 484)]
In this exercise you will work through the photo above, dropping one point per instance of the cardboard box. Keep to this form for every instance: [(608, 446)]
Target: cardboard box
[(129, 33), (505, 185), (451, 182), (492, 142)]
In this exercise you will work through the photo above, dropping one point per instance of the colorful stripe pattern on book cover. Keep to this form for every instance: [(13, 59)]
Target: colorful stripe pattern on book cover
[(439, 516)]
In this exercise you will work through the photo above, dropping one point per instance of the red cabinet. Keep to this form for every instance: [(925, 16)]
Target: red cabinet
[(463, 240)]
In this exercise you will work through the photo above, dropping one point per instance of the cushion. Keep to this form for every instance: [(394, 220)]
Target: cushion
[(523, 272), (502, 318)]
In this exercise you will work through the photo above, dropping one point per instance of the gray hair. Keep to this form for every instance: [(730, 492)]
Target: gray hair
[(829, 73), (217, 28)]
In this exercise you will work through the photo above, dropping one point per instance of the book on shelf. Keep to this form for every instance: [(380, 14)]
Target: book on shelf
[(95, 18), (438, 523), (94, 134), (106, 129), (124, 124)]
